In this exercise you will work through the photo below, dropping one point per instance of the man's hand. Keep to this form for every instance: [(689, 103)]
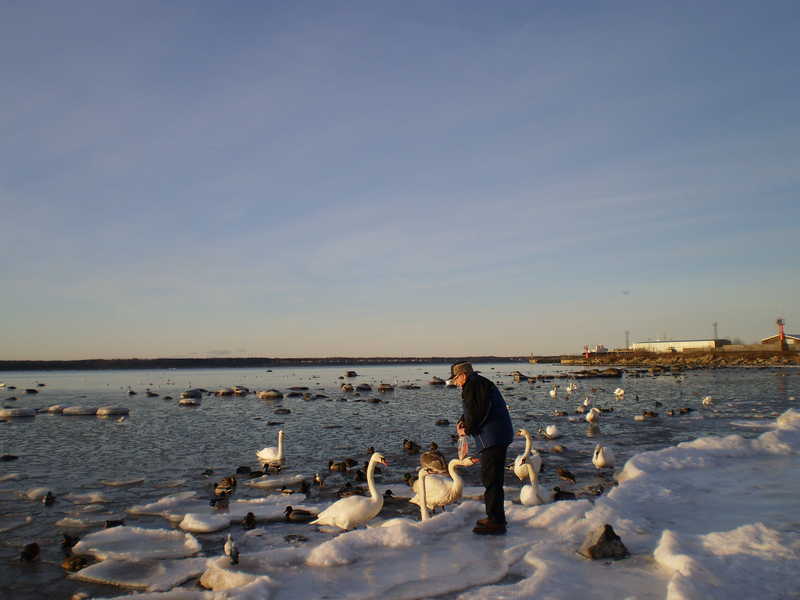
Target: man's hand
[(460, 428)]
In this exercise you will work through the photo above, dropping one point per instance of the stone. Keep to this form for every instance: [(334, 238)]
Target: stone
[(603, 543)]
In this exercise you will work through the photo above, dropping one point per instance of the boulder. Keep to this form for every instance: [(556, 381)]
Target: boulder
[(603, 543)]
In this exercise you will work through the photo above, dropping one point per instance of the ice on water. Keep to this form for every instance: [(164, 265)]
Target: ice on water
[(698, 522), (136, 543)]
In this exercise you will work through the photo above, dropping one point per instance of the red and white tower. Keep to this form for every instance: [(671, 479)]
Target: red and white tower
[(781, 333)]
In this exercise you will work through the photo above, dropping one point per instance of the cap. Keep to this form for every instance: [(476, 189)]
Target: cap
[(459, 368)]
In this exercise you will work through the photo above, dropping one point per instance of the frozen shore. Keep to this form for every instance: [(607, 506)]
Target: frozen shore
[(711, 518)]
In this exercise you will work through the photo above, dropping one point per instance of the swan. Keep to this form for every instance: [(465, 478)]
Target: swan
[(593, 416), (441, 490), (571, 387), (603, 457), (587, 402), (531, 495), (527, 457), (553, 393), (619, 392), (708, 401), (551, 432), (352, 511), (271, 454)]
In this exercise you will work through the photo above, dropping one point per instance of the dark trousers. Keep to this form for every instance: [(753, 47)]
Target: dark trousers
[(493, 465)]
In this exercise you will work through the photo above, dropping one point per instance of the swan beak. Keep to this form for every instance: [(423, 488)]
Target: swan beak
[(475, 461), (384, 463)]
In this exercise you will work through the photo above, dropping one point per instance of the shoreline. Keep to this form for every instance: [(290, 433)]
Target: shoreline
[(664, 361), (228, 363)]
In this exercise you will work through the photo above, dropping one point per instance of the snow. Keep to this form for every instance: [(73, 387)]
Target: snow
[(87, 498), (711, 518), (195, 523), (136, 543)]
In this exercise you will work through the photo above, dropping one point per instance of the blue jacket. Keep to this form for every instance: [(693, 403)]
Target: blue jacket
[(485, 416)]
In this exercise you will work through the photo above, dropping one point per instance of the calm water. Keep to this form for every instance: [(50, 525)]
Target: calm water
[(169, 445)]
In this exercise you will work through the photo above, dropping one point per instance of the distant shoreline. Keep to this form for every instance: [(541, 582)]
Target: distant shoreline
[(230, 363)]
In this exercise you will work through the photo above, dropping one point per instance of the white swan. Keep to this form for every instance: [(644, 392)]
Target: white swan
[(571, 387), (587, 402), (619, 392), (593, 416), (708, 401), (531, 494), (553, 393), (603, 457), (271, 454), (352, 511), (530, 457), (551, 432), (441, 490)]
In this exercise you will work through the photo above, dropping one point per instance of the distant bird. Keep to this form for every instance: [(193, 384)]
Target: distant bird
[(551, 432), (30, 552), (593, 416), (318, 480), (298, 515), (231, 550), (565, 474), (553, 393), (48, 498), (587, 402), (602, 457), (619, 393), (411, 447), (226, 486), (708, 401), (338, 466), (559, 494), (249, 521), (121, 419)]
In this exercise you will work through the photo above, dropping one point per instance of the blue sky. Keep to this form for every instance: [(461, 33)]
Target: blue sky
[(375, 178)]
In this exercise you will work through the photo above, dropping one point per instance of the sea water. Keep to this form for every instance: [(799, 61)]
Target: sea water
[(171, 448)]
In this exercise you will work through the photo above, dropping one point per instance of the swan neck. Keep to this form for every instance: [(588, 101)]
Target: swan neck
[(280, 444), (527, 444), (458, 483), (373, 491)]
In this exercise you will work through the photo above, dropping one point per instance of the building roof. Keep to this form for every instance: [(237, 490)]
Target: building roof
[(795, 336)]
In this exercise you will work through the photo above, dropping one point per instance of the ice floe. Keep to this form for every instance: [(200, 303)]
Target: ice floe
[(136, 543), (150, 575)]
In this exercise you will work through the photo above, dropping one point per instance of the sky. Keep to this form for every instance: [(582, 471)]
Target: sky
[(394, 179)]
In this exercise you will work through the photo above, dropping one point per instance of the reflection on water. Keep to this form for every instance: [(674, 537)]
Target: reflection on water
[(166, 444)]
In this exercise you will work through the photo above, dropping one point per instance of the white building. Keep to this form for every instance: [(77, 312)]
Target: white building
[(679, 345)]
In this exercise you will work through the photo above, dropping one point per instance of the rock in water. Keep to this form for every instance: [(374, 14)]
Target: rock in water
[(603, 543)]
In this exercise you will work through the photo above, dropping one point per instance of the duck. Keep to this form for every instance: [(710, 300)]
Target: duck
[(528, 456), (559, 494), (337, 466), (433, 460), (531, 494), (68, 542), (298, 515), (249, 521), (411, 446), (602, 457), (48, 498), (272, 455), (441, 490), (318, 480), (226, 486), (593, 416), (30, 552), (565, 474), (348, 489), (354, 511), (231, 550)]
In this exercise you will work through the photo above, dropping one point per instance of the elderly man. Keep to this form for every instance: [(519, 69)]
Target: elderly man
[(486, 419)]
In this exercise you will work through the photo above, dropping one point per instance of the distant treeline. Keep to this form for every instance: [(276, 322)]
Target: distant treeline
[(230, 363)]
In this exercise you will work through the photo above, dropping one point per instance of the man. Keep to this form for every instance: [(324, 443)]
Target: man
[(486, 419)]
